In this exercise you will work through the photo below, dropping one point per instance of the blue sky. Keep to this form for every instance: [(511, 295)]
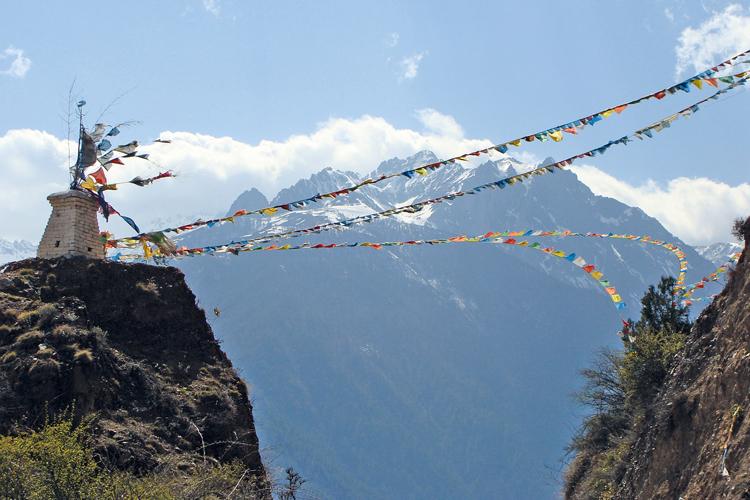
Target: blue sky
[(260, 94)]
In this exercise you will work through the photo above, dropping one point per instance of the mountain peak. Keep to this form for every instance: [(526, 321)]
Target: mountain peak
[(396, 165), (249, 200), (547, 161)]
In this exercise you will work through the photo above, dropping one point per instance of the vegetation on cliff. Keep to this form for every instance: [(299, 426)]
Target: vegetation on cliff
[(619, 386)]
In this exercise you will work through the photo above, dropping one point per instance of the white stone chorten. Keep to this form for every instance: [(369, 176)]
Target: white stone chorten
[(73, 229)]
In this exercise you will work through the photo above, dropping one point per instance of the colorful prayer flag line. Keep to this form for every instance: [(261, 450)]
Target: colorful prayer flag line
[(160, 252), (555, 133), (416, 207), (164, 250)]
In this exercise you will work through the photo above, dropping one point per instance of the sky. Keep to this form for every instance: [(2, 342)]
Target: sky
[(261, 94)]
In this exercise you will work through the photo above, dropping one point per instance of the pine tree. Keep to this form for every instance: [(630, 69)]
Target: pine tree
[(661, 312)]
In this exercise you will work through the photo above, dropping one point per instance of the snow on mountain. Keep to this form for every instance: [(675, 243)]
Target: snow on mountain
[(425, 371), (11, 251), (719, 253)]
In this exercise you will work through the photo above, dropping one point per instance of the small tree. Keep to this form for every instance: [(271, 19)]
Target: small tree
[(738, 228), (661, 311)]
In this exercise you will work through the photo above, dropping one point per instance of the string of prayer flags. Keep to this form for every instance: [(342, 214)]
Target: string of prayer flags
[(687, 292), (500, 184), (165, 248), (507, 237), (412, 208)]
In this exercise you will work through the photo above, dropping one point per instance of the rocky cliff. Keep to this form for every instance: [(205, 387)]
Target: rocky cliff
[(129, 344), (696, 442), (693, 440)]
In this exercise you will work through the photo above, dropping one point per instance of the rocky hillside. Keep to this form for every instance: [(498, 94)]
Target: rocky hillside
[(700, 411), (128, 343), (693, 441)]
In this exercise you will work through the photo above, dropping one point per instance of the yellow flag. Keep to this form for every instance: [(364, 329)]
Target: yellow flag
[(270, 211), (698, 83), (146, 249), (109, 187), (516, 143), (523, 244), (616, 298), (558, 253), (596, 274), (422, 170), (556, 136), (230, 219), (89, 184), (607, 113), (285, 247)]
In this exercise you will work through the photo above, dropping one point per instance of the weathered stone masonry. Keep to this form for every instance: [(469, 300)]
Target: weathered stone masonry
[(73, 229)]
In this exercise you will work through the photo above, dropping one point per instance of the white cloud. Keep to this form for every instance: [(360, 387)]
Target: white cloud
[(409, 66), (439, 124), (20, 64), (668, 13), (525, 157), (34, 165), (699, 211), (723, 35), (392, 39), (212, 6), (213, 170)]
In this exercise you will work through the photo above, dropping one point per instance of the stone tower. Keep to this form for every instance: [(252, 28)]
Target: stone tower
[(73, 229)]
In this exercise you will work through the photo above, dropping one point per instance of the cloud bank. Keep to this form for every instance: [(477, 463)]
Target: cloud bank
[(213, 170), (723, 35), (699, 211)]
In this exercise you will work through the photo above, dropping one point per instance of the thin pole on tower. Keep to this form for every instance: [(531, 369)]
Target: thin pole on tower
[(77, 170)]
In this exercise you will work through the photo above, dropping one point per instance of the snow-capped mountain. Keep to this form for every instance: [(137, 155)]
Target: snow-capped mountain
[(425, 371), (719, 253), (11, 251)]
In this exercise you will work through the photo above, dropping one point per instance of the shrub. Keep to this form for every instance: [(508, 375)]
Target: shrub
[(42, 369), (29, 340), (41, 317), (646, 362), (148, 287), (61, 335), (53, 463), (738, 228), (9, 357), (83, 356), (57, 463)]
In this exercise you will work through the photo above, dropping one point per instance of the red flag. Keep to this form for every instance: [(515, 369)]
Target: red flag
[(99, 176), (163, 175)]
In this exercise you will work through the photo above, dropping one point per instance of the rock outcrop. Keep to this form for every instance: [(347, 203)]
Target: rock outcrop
[(128, 343)]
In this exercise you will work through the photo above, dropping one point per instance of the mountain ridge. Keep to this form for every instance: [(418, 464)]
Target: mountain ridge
[(376, 343)]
